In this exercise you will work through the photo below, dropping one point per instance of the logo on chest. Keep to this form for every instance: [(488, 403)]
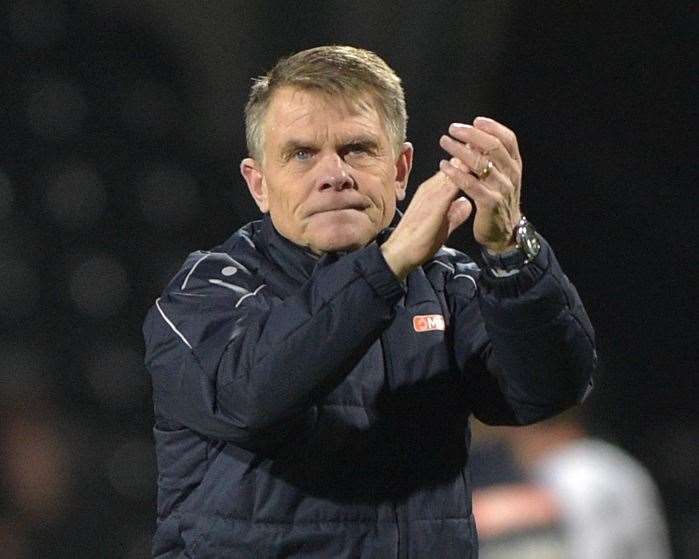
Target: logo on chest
[(428, 322)]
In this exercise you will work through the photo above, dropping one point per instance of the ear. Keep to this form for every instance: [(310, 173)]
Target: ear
[(404, 164), (255, 179)]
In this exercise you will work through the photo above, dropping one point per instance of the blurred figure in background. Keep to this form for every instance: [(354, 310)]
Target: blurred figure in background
[(578, 498)]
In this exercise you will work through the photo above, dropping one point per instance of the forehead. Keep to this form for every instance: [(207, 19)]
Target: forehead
[(294, 111)]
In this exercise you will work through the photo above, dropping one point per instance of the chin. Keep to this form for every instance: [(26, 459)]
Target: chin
[(340, 235), (339, 243)]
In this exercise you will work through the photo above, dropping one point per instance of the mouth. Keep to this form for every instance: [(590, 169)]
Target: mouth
[(344, 208), (357, 206)]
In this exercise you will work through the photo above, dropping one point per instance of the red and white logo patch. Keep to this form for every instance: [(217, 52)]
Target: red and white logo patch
[(428, 322)]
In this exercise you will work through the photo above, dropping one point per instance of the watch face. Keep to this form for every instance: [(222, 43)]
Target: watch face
[(528, 241)]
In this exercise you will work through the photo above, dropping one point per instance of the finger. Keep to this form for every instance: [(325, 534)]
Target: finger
[(473, 160), (495, 180), (482, 147), (501, 132), (468, 184), (438, 185), (458, 212)]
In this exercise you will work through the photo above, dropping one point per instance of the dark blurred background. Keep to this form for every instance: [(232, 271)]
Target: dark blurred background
[(122, 132)]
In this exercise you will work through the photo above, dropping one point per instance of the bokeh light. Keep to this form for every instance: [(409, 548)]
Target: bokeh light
[(56, 108), (26, 370), (12, 539), (38, 490), (150, 110), (75, 195), (169, 196), (99, 285), (21, 288)]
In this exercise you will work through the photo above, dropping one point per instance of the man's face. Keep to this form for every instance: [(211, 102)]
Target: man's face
[(329, 177)]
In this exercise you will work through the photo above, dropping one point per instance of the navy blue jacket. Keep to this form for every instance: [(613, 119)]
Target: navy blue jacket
[(318, 407)]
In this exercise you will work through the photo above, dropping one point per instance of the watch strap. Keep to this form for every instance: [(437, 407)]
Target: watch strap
[(504, 263)]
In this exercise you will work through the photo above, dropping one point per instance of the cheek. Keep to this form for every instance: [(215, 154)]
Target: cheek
[(389, 209), (283, 200), (280, 205), (387, 193), (380, 185)]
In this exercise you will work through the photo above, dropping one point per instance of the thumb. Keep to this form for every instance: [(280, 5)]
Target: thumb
[(459, 211)]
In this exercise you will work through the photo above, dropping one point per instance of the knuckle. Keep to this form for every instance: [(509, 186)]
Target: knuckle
[(470, 181), (507, 187), (498, 199), (489, 201), (499, 145)]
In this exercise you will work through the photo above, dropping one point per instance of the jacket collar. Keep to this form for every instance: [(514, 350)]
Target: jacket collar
[(297, 261), (294, 260)]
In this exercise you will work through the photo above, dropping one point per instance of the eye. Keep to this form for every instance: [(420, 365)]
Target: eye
[(356, 150), (302, 154)]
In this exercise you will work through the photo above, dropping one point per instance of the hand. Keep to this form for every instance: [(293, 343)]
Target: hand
[(429, 219), (496, 196)]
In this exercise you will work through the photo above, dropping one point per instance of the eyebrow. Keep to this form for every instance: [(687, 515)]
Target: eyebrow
[(291, 145), (363, 140)]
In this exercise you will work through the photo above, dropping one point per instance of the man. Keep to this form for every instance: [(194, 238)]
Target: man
[(605, 503), (313, 375)]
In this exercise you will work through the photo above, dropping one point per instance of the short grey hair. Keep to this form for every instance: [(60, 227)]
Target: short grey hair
[(350, 72)]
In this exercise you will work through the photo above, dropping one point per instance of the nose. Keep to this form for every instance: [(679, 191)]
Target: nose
[(333, 174)]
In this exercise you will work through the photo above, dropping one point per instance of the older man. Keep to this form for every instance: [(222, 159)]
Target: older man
[(314, 374)]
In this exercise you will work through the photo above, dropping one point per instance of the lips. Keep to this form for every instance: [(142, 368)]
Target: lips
[(339, 204)]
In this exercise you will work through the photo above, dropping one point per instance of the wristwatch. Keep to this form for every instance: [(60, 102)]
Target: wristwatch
[(527, 240), (527, 246)]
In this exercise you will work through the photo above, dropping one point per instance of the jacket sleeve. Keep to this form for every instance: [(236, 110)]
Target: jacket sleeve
[(524, 342), (232, 363)]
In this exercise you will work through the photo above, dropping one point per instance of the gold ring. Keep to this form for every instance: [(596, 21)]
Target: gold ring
[(486, 170)]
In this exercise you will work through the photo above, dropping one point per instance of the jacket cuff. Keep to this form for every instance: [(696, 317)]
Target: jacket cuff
[(373, 267), (519, 283)]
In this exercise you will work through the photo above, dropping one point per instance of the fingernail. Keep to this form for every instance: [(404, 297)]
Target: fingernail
[(460, 125), (483, 119)]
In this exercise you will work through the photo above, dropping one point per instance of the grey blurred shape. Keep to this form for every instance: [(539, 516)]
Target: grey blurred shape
[(75, 195), (21, 288), (99, 286), (26, 370), (56, 108), (169, 196), (150, 109)]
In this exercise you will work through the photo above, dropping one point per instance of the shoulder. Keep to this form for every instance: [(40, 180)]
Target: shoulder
[(203, 271), (600, 478), (208, 286), (225, 270)]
